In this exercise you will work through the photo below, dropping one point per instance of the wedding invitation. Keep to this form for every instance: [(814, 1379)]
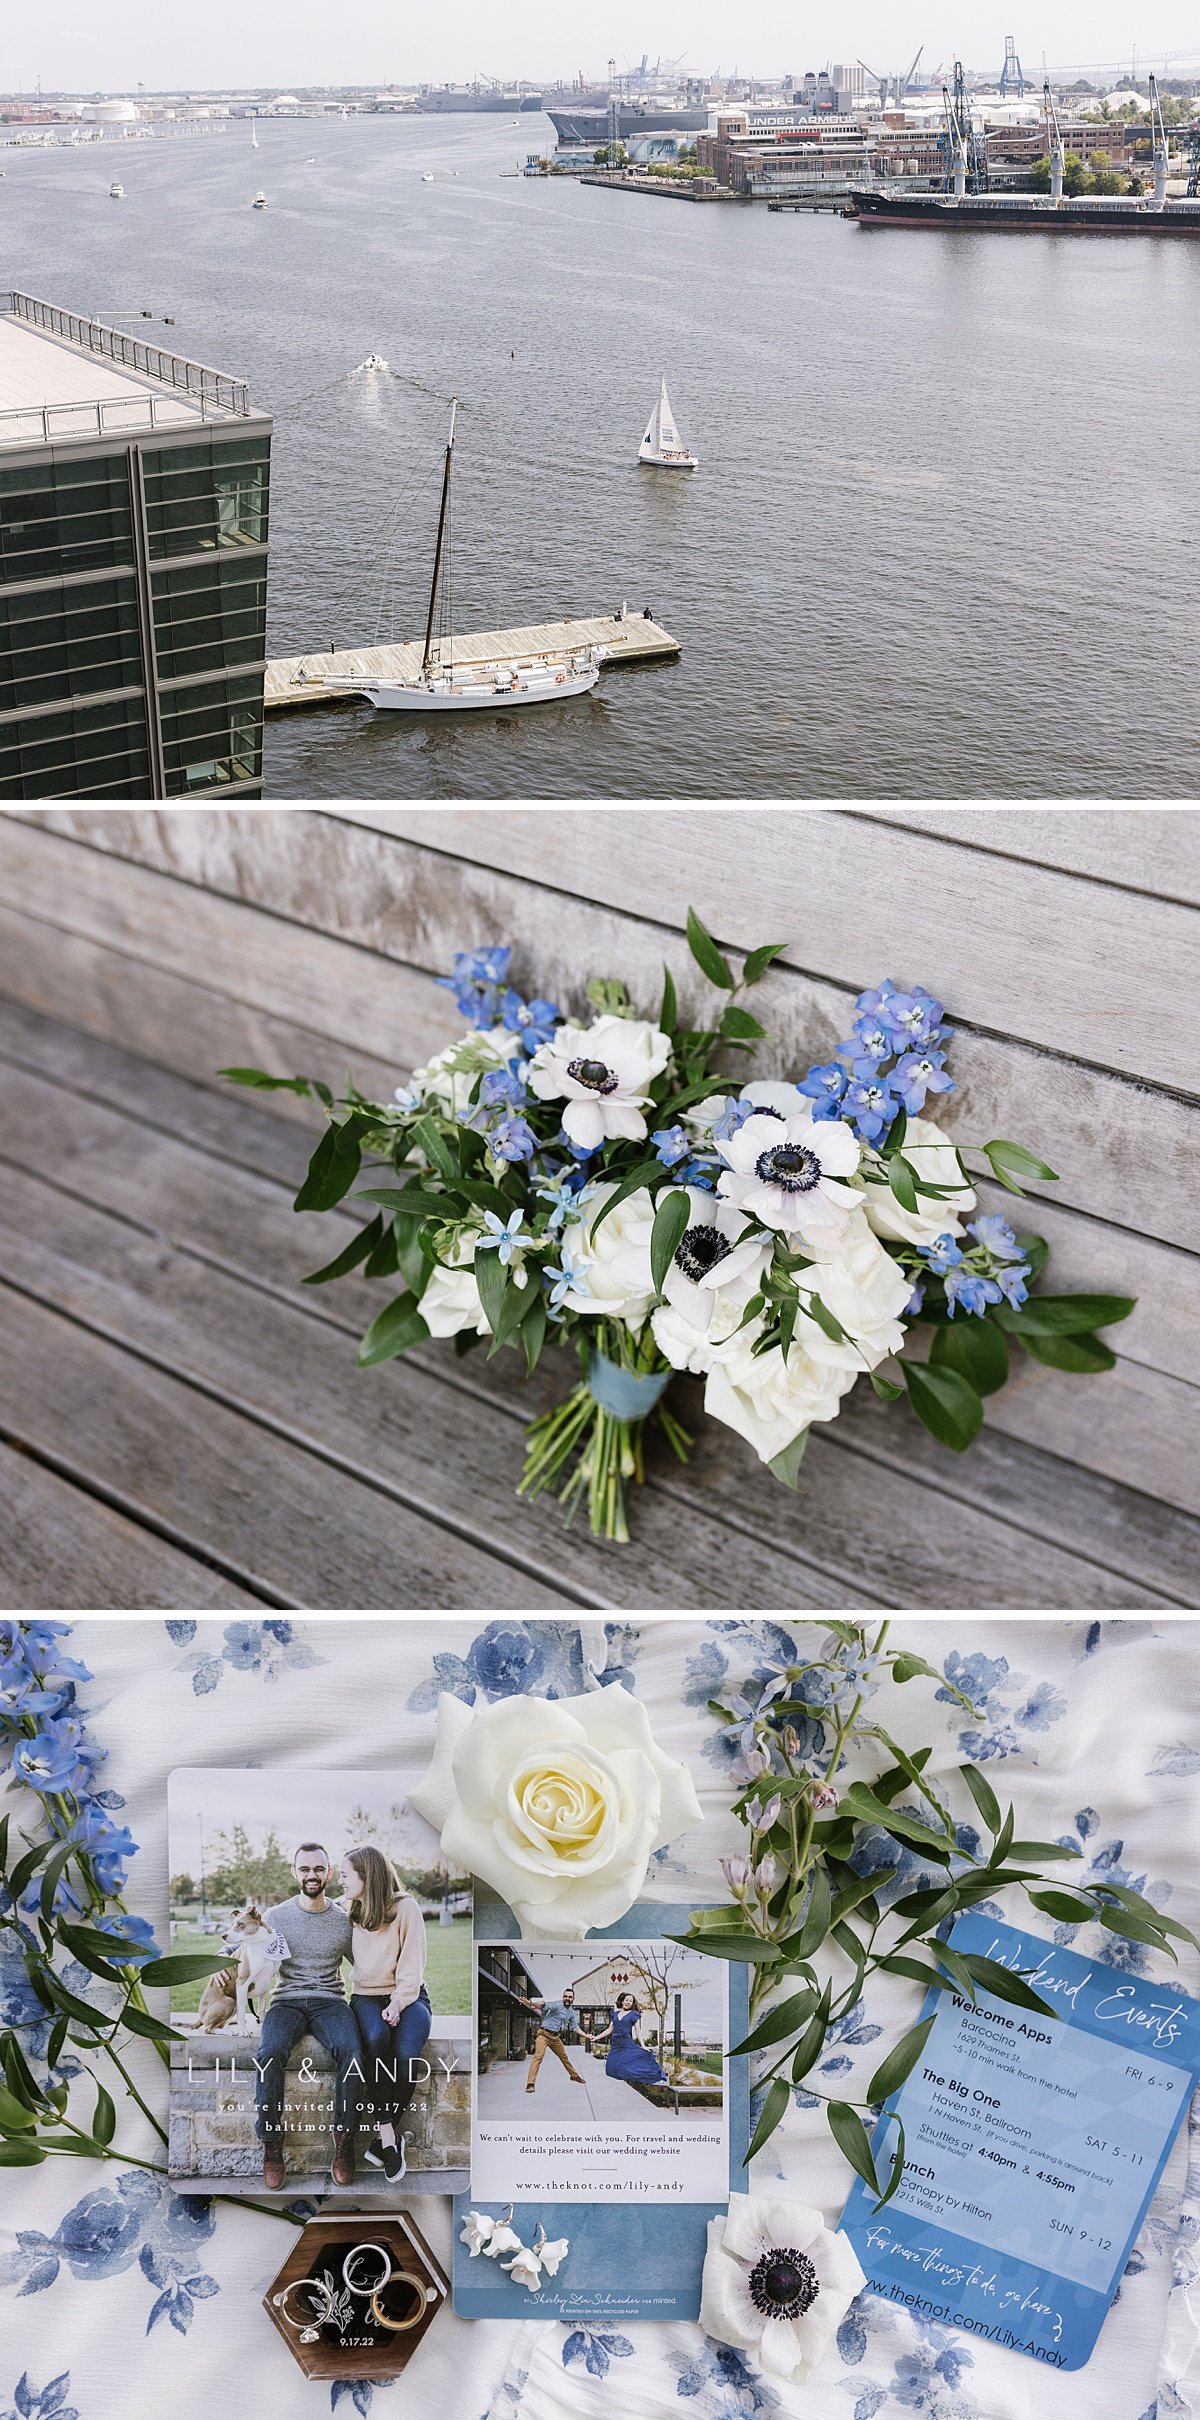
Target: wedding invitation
[(1033, 2147), (331, 1902), (606, 2112)]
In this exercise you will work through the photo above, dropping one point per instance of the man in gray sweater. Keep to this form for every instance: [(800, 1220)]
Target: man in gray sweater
[(308, 1998)]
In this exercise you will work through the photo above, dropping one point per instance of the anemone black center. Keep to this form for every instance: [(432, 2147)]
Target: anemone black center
[(594, 1074), (783, 2284), (791, 1166), (701, 1249)]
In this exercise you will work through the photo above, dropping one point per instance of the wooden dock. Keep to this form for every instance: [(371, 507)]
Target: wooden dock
[(302, 680)]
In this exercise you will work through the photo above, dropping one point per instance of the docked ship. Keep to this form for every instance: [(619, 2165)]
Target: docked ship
[(438, 99), (589, 123), (1023, 213)]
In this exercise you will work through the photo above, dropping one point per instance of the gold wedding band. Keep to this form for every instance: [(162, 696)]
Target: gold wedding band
[(424, 2294)]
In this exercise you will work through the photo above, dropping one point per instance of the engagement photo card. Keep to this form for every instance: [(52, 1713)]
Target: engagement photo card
[(333, 2052)]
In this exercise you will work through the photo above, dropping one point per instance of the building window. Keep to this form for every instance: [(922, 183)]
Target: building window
[(210, 495), (64, 517), (61, 643), (209, 616), (96, 751), (212, 735)]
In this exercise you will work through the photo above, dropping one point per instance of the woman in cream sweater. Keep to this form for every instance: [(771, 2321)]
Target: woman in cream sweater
[(387, 1995)]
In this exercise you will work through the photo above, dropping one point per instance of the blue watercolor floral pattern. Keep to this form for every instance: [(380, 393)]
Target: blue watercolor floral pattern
[(596, 2349), (268, 1648), (719, 2383), (41, 2403), (136, 2220), (527, 1659)]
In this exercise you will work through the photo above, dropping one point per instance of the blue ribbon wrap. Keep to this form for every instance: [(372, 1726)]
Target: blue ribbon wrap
[(623, 1392)]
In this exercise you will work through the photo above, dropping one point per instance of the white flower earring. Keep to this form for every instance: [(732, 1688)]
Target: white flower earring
[(527, 2266), (552, 2255)]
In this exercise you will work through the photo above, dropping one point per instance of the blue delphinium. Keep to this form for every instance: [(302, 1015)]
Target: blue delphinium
[(942, 1254), (969, 1290), (997, 1237), (992, 1269), (512, 1139), (476, 983), (534, 1021), (671, 1145), (895, 1061)]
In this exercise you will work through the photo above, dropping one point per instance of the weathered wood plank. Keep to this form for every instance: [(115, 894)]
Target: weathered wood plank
[(1124, 1153), (1155, 849), (62, 1550), (242, 1224), (262, 1357), (1021, 949), (290, 1525)]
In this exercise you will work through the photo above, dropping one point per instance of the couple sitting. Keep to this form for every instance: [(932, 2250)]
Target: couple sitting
[(376, 2040)]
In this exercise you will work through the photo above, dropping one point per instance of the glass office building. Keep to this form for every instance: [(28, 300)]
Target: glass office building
[(133, 566)]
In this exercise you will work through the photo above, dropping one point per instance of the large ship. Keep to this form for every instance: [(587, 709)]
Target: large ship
[(588, 124), (440, 98), (1022, 213)]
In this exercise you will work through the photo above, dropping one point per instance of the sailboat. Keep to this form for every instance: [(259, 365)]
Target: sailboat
[(253, 134), (450, 688), (662, 444)]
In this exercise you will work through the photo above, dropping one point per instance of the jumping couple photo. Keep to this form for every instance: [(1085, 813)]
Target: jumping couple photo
[(627, 2059)]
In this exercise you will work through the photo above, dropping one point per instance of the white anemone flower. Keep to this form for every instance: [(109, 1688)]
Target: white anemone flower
[(476, 2232), (720, 1251), (789, 1172), (777, 2283), (604, 1073)]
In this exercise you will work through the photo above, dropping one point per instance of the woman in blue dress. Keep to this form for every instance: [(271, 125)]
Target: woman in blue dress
[(627, 2057)]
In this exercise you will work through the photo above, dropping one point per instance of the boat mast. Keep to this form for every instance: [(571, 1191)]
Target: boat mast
[(437, 552)]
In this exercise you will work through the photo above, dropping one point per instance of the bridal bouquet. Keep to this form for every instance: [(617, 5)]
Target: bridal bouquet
[(604, 1182)]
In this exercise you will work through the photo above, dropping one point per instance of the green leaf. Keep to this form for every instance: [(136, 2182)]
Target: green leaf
[(984, 1796), (151, 2029), (360, 1247), (631, 1182), (706, 954), (748, 1947), (668, 1015), (1042, 1849), (777, 2024), (1010, 1160), (1129, 1927), (886, 1388), (773, 2108), (945, 1402), (759, 960), (165, 1973), (333, 1167), (976, 1348), (1087, 1355), (397, 1327), (817, 1917), (493, 1281), (410, 1201), (50, 1879), (534, 1324), (437, 1150), (863, 1887), (896, 2178), (257, 1080), (908, 1666), (893, 1140), (1071, 1314), (850, 2135), (862, 1802), (1141, 1906), (104, 2124), (670, 1226), (20, 2154), (80, 1942), (1063, 1909), (786, 1465), (828, 1324), (900, 2062), (737, 1025), (1036, 1251), (903, 1181), (812, 2041), (913, 1972), (14, 2117), (1004, 1985)]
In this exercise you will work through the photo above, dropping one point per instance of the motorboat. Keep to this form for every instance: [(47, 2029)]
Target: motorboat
[(259, 202)]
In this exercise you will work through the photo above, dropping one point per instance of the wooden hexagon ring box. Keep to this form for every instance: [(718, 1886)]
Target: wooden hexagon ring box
[(356, 2296)]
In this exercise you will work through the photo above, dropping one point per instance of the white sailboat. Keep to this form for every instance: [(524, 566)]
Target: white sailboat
[(253, 135), (662, 444), (444, 687)]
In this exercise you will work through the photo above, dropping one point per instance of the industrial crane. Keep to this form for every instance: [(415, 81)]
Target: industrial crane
[(1158, 138), (892, 87), (964, 145), (1054, 144), (1012, 74)]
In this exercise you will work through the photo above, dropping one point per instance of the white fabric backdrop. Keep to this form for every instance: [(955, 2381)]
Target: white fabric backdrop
[(116, 2298)]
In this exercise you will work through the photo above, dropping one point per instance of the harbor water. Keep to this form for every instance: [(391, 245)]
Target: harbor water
[(943, 540)]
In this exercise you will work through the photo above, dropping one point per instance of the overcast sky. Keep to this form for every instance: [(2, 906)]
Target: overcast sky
[(112, 45)]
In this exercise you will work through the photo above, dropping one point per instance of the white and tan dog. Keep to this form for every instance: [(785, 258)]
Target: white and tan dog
[(261, 1952)]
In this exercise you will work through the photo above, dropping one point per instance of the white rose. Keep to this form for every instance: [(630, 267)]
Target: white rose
[(866, 1291), (769, 1400), (451, 1301), (558, 1803), (931, 1157), (610, 1271), (687, 1347)]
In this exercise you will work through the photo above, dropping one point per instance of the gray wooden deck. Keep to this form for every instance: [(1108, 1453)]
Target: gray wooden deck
[(189, 1429), (182, 1424)]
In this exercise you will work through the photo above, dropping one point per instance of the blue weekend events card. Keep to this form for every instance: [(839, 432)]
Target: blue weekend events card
[(628, 2171), (1032, 2148)]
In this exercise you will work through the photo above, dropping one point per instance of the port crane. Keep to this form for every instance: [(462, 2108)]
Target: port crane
[(1054, 143), (962, 142), (1158, 143), (1012, 74), (892, 87)]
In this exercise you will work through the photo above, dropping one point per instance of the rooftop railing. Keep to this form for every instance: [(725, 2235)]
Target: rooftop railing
[(115, 416), (213, 390)]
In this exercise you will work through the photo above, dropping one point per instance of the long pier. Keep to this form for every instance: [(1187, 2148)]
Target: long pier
[(303, 680)]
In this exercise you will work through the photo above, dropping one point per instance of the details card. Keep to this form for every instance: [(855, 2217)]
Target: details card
[(600, 2072), (1032, 2148)]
